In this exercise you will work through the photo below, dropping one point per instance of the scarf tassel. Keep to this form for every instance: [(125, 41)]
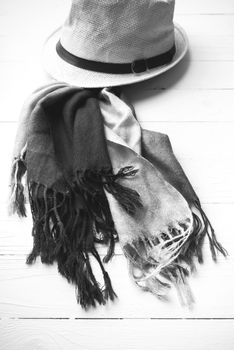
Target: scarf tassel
[(91, 183), (202, 228), (128, 199), (179, 261), (76, 268), (159, 284), (17, 196), (65, 234)]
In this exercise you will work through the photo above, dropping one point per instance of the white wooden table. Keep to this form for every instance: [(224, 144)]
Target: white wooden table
[(194, 104)]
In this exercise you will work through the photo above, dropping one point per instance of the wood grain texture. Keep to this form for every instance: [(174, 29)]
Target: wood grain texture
[(193, 104), (124, 334), (39, 291)]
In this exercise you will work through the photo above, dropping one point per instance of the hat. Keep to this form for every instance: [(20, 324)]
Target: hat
[(114, 42)]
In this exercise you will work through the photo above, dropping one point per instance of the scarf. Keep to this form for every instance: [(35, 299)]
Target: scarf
[(92, 175)]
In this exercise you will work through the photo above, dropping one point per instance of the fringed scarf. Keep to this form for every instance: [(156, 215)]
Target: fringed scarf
[(92, 175)]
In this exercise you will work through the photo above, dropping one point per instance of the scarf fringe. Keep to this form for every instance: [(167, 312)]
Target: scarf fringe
[(76, 268), (91, 186), (177, 275), (158, 280), (202, 228), (67, 235), (64, 233), (17, 199), (92, 182), (172, 275), (128, 199)]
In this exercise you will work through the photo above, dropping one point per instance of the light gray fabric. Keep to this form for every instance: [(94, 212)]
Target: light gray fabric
[(159, 230), (119, 121), (26, 111), (161, 240)]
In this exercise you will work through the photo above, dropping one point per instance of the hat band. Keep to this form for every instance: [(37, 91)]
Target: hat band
[(134, 67)]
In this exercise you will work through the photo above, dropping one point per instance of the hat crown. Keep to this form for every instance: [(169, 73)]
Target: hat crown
[(118, 31)]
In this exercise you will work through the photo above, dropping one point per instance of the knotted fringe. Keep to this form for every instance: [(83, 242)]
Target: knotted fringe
[(67, 225), (17, 196), (128, 199), (64, 234), (153, 274), (201, 228)]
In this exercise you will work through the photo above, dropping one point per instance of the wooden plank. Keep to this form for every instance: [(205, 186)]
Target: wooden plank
[(188, 105), (55, 6), (169, 105), (195, 145), (212, 286), (212, 39), (211, 47), (211, 25), (32, 18), (194, 24), (204, 7), (202, 48), (21, 77), (9, 8), (186, 76), (205, 42), (39, 291), (117, 334), (196, 140), (192, 75), (16, 239)]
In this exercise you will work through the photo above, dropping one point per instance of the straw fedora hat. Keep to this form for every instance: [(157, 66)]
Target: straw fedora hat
[(114, 42)]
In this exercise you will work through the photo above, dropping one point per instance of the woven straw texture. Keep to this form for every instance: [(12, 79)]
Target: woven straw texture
[(114, 31), (119, 31)]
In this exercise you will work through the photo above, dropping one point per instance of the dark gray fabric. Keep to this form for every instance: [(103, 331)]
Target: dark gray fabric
[(156, 147), (61, 141)]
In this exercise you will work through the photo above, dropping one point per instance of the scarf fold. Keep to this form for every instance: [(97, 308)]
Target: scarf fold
[(92, 175)]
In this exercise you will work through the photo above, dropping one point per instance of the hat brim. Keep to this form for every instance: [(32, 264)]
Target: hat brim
[(60, 70)]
